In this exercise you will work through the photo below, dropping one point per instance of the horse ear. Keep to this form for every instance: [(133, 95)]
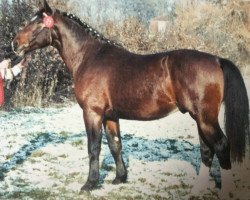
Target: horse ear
[(47, 8), (40, 5)]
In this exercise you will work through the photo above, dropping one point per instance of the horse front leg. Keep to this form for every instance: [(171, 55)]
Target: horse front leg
[(112, 130), (93, 124)]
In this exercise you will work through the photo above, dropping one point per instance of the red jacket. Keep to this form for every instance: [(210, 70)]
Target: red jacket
[(8, 73), (1, 91)]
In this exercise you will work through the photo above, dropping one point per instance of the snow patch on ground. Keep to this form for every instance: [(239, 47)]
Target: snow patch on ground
[(43, 154)]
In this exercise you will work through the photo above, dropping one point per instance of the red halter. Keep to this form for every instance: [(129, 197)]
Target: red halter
[(48, 21)]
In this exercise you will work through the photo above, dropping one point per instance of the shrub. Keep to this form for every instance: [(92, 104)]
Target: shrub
[(223, 30)]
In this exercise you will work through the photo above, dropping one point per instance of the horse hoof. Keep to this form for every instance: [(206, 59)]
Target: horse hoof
[(89, 186), (119, 180)]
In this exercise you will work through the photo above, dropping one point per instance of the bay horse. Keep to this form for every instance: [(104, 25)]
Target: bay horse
[(112, 83)]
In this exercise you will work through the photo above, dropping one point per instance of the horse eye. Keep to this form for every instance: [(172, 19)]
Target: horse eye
[(22, 26)]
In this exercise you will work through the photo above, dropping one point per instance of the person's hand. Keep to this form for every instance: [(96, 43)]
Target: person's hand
[(5, 63), (21, 64), (24, 62)]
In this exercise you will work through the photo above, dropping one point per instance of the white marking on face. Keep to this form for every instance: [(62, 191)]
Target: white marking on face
[(12, 46), (116, 139)]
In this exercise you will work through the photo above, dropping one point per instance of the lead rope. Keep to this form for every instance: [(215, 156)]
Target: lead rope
[(1, 91)]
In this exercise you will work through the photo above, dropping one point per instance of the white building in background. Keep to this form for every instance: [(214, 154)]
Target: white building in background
[(159, 24)]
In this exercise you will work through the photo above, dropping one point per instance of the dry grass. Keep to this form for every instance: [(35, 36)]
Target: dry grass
[(220, 30)]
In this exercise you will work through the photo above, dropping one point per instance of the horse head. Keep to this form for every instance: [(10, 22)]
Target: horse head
[(37, 33)]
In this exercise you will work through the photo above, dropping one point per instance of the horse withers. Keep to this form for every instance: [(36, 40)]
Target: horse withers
[(112, 83)]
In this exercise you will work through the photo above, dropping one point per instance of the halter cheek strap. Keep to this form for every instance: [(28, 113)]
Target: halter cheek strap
[(48, 21)]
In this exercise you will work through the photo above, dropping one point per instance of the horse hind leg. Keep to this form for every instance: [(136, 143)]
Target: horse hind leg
[(203, 182), (217, 141), (114, 141)]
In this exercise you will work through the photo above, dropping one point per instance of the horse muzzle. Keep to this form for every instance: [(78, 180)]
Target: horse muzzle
[(18, 49)]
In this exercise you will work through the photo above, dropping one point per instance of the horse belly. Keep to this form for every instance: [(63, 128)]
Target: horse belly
[(154, 109), (147, 99)]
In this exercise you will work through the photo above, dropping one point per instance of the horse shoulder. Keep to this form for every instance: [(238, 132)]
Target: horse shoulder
[(91, 89)]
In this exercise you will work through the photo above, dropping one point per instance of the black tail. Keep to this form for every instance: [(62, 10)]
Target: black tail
[(236, 110)]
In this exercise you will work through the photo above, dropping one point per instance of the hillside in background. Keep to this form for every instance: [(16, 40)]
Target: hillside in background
[(116, 10), (100, 11)]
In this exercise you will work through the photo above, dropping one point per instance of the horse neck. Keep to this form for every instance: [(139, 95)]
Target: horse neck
[(74, 44)]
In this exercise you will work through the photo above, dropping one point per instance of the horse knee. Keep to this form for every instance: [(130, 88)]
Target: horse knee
[(113, 136)]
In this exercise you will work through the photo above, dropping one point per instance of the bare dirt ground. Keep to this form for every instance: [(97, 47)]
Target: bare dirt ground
[(43, 155)]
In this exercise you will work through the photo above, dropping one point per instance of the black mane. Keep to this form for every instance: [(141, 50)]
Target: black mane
[(90, 30)]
